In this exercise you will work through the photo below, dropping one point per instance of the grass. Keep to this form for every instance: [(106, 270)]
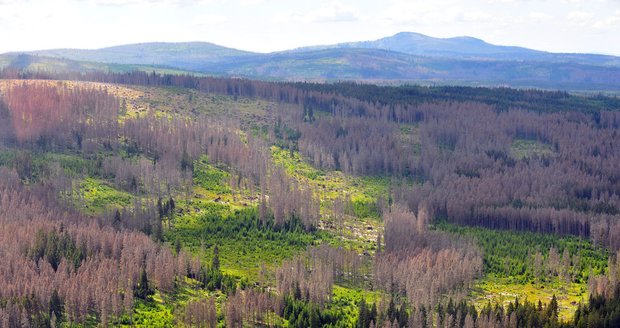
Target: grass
[(174, 101), (363, 217), (330, 185), (160, 309), (71, 164), (510, 272), (522, 148), (510, 254), (503, 291), (244, 256), (210, 178), (209, 218), (411, 140), (155, 313), (345, 303), (7, 157), (96, 196), (244, 249), (212, 217)]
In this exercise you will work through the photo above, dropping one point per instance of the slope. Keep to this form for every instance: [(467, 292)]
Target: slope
[(465, 47), (184, 55), (384, 65), (36, 63)]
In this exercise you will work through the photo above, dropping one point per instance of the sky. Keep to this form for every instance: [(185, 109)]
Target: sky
[(591, 26)]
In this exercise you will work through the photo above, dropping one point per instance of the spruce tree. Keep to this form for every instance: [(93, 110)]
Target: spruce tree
[(143, 291), (56, 306)]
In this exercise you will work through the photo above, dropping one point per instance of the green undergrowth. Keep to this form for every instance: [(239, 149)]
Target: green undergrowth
[(172, 101), (510, 254), (91, 194), (6, 157), (523, 148), (504, 290), (160, 309), (97, 195), (210, 178), (34, 166), (511, 270), (341, 311), (330, 185), (410, 135), (345, 303), (153, 313), (364, 194), (73, 165), (211, 190), (362, 220), (357, 235), (244, 242)]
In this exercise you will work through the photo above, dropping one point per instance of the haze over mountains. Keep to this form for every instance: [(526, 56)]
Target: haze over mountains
[(464, 47), (409, 57)]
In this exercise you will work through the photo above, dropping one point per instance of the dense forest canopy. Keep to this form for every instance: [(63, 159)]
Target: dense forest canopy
[(162, 202)]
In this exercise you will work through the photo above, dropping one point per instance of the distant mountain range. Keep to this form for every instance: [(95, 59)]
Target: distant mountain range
[(465, 47), (179, 55), (404, 57)]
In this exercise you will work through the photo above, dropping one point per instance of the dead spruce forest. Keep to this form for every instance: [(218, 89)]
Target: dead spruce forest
[(141, 199)]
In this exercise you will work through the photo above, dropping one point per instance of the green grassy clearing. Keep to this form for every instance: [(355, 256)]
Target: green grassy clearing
[(504, 291), (363, 217), (160, 309), (210, 178), (96, 195), (522, 148), (173, 101), (244, 244), (510, 269), (345, 303), (330, 185)]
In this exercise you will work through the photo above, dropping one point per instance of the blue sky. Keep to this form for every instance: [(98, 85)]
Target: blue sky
[(271, 25)]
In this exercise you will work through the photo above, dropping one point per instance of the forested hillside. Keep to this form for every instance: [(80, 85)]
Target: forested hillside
[(405, 57), (140, 199)]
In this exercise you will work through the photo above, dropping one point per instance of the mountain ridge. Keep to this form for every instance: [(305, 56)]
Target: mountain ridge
[(405, 56), (412, 43), (465, 47), (395, 42), (181, 55)]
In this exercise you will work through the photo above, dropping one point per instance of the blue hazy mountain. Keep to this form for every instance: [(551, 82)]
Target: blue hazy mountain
[(404, 57)]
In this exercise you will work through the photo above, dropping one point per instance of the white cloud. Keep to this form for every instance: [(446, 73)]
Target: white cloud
[(475, 17), (538, 17), (209, 20), (579, 18), (250, 3), (121, 3), (424, 13), (115, 2), (611, 21), (333, 12)]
